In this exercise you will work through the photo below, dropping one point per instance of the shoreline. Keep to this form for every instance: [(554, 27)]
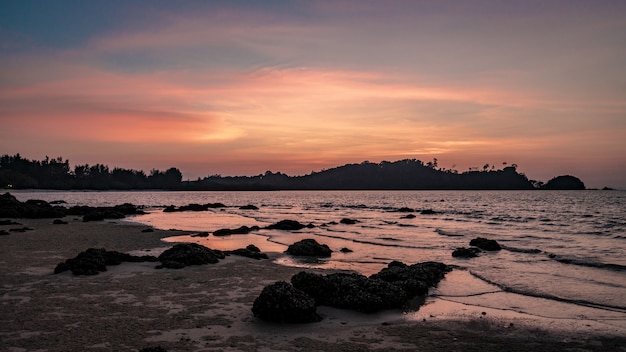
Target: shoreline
[(133, 305)]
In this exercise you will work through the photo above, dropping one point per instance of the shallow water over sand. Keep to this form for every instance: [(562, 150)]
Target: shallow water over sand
[(564, 248)]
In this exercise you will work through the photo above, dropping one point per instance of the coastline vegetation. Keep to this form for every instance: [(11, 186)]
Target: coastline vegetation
[(17, 172)]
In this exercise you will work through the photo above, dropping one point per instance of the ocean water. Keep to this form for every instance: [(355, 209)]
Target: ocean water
[(563, 256)]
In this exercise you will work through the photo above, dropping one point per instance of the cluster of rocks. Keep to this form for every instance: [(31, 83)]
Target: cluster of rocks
[(396, 286), (478, 245), (95, 260), (10, 207)]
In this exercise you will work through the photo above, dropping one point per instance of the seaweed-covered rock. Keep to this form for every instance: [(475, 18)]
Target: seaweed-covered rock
[(95, 260), (310, 248), (283, 303), (238, 231), (465, 252), (350, 291), (414, 279), (288, 225), (485, 244), (185, 254)]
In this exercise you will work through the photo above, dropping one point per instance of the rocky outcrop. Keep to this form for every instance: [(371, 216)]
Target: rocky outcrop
[(10, 207), (95, 260), (288, 225), (397, 286), (238, 231), (350, 291), (251, 251), (485, 244), (310, 248), (414, 279), (565, 182), (185, 254), (463, 252), (281, 302)]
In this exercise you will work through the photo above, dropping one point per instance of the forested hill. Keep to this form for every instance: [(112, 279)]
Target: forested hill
[(399, 175), (19, 173)]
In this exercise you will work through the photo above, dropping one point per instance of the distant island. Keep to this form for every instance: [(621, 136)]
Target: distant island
[(408, 174)]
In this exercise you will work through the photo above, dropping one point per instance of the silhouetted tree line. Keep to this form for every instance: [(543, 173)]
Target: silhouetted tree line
[(408, 174), (18, 172)]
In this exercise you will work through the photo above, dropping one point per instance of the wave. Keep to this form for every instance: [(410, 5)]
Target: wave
[(579, 302), (521, 250), (586, 262)]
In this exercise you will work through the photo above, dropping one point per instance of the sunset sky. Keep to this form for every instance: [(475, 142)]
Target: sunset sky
[(241, 87)]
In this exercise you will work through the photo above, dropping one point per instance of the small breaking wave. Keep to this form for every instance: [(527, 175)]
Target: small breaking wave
[(587, 263)]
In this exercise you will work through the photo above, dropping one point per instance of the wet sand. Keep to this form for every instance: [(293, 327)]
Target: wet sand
[(207, 308)]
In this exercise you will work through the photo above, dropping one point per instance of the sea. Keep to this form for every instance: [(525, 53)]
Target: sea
[(563, 254)]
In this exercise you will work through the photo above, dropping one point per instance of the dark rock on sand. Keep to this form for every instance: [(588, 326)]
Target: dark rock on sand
[(283, 303), (310, 248), (348, 221), (288, 225), (238, 231), (251, 251), (346, 250), (408, 216), (414, 279), (485, 244), (59, 222), (147, 230), (249, 207), (428, 212), (350, 291), (94, 260), (466, 252), (185, 254)]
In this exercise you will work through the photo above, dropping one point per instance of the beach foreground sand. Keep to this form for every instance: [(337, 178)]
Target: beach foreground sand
[(208, 308)]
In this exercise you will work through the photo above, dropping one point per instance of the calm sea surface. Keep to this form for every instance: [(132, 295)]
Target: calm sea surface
[(566, 248)]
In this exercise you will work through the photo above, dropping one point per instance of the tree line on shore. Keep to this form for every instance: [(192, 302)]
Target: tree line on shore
[(408, 174)]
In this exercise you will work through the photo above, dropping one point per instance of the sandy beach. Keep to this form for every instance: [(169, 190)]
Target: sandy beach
[(208, 308)]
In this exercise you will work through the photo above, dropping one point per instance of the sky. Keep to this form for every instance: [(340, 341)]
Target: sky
[(243, 87)]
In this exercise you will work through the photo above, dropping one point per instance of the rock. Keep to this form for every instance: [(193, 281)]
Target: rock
[(309, 247), (485, 244), (251, 251), (238, 231), (94, 260), (348, 221), (281, 302), (346, 250), (185, 254), (4, 233), (59, 222), (287, 225), (413, 279), (153, 349), (147, 230), (428, 212), (21, 229), (408, 216), (406, 210), (350, 291), (249, 207), (465, 252)]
